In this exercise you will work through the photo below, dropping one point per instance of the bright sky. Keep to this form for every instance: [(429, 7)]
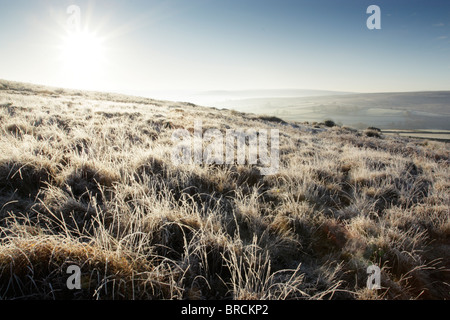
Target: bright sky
[(150, 45)]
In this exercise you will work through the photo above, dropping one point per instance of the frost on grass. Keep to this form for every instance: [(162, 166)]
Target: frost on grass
[(87, 179)]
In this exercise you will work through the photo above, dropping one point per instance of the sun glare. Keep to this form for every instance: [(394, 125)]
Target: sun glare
[(82, 55)]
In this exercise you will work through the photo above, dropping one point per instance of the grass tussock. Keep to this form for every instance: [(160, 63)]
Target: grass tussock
[(87, 179)]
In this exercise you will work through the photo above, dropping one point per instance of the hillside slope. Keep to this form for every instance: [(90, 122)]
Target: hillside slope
[(87, 179)]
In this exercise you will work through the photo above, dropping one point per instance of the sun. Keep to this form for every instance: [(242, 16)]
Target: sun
[(83, 58)]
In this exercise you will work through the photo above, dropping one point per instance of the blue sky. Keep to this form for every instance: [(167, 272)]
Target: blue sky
[(231, 45)]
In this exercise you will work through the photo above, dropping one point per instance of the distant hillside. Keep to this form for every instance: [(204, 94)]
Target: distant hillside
[(271, 93), (410, 110), (219, 98)]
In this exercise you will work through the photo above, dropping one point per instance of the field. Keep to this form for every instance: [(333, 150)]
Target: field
[(87, 179)]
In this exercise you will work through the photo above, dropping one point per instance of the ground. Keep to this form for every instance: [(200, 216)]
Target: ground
[(87, 179)]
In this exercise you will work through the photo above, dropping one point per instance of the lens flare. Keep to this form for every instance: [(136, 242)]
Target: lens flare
[(82, 55)]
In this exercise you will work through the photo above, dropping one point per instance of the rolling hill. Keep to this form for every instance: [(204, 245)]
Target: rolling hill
[(88, 179)]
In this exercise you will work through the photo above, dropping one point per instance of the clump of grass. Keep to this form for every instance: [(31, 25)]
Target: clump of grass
[(19, 129), (36, 268), (372, 133), (272, 119), (329, 123), (253, 279), (88, 175), (25, 178)]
